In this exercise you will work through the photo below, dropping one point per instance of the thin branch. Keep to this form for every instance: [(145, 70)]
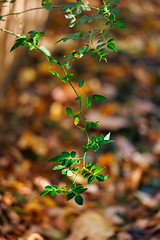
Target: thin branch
[(38, 8), (7, 31), (28, 10)]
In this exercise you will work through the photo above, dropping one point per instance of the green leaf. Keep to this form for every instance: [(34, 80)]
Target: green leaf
[(121, 25), (79, 199), (55, 74), (87, 175), (91, 179), (64, 171), (115, 2), (68, 65), (69, 173), (88, 166), (83, 172), (47, 4), (96, 124), (112, 47), (69, 111), (100, 177), (55, 187), (63, 188), (58, 167), (19, 42), (90, 125), (70, 196), (52, 193), (58, 191), (73, 154), (92, 50), (78, 98), (111, 40), (65, 154), (98, 97), (16, 45), (68, 57), (81, 83), (53, 60), (43, 193), (106, 177), (84, 49), (73, 186), (70, 75), (94, 138), (75, 168), (80, 189), (95, 54), (57, 158), (94, 167), (98, 170), (88, 102), (48, 187), (45, 51)]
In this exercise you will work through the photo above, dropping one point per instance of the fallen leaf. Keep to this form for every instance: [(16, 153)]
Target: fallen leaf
[(35, 236), (142, 107), (53, 234), (124, 236), (27, 75), (36, 143), (147, 199), (56, 111), (143, 160), (125, 147), (92, 226), (156, 148), (8, 199)]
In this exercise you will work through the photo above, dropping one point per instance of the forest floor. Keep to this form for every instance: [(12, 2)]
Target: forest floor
[(34, 127)]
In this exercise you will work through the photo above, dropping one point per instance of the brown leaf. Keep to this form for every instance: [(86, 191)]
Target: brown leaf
[(35, 236), (92, 226), (56, 111), (124, 236), (156, 148), (27, 75), (36, 143), (147, 199), (142, 107), (8, 199), (125, 147), (143, 160)]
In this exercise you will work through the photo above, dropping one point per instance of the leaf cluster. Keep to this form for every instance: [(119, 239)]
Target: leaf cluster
[(96, 41), (66, 163), (95, 142), (32, 42)]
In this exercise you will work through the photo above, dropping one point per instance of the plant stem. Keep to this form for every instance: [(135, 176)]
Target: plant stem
[(39, 8), (73, 88), (7, 31), (28, 10), (78, 174)]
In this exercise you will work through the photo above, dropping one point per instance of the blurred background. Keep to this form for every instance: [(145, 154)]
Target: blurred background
[(34, 128)]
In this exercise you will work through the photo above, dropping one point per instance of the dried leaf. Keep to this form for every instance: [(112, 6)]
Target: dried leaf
[(91, 225), (35, 236)]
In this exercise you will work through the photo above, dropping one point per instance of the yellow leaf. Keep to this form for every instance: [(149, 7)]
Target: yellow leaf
[(76, 121)]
